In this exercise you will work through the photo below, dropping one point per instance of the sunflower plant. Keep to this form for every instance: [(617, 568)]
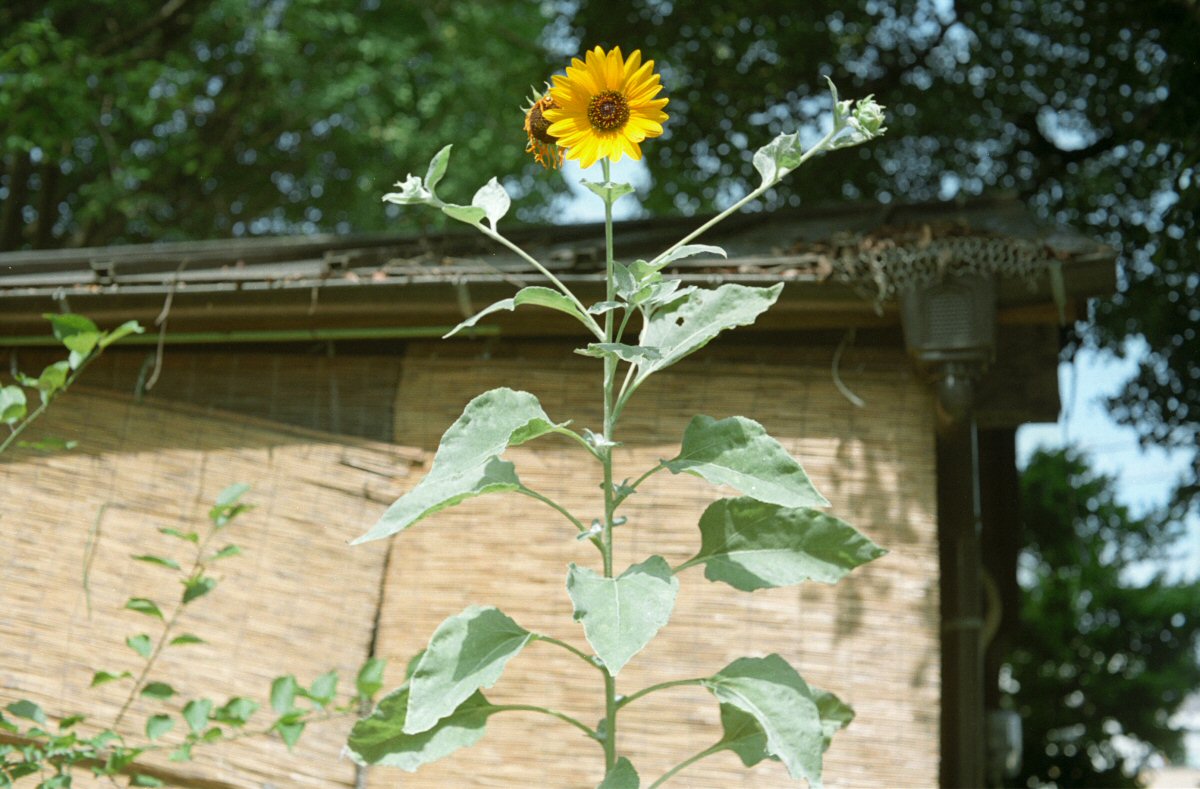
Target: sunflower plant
[(775, 534)]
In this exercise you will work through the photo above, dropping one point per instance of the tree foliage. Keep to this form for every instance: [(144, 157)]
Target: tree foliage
[(1101, 655), (148, 120)]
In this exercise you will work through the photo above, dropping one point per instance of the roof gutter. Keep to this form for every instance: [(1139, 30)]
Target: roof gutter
[(261, 336)]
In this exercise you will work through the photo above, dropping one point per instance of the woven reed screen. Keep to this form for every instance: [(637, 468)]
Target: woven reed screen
[(872, 639), (298, 600), (348, 394)]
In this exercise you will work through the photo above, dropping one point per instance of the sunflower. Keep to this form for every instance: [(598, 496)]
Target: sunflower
[(606, 106), (543, 147)]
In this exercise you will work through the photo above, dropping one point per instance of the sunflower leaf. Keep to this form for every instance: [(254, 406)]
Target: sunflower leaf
[(783, 706), (412, 192), (437, 169), (782, 153), (467, 462), (687, 251), (743, 736), (471, 214), (622, 776), (738, 452), (608, 191), (380, 739), (494, 201), (634, 354), (751, 545), (467, 652), (621, 615), (537, 296), (690, 323)]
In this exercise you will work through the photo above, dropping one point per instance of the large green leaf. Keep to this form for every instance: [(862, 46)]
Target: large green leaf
[(686, 251), (835, 713), (467, 461), (467, 652), (495, 202), (738, 452), (689, 324), (12, 404), (743, 736), (380, 739), (538, 296), (621, 776), (783, 705), (634, 354), (751, 545), (620, 615)]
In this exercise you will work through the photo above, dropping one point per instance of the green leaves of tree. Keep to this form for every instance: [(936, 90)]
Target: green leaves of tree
[(621, 615), (752, 545), (738, 452), (467, 461), (467, 652)]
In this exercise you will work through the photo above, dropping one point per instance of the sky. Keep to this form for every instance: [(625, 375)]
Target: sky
[(1144, 477)]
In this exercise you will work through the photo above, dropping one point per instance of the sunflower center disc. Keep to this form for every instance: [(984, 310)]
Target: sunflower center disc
[(538, 125), (608, 110)]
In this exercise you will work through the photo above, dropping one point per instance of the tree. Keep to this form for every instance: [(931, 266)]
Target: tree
[(149, 120), (139, 120), (1101, 654), (1087, 108)]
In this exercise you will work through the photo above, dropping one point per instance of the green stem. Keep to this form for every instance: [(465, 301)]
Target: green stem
[(610, 369), (533, 494), (198, 567), (578, 652), (688, 762), (579, 439), (779, 176), (637, 483), (562, 716), (660, 686), (624, 323), (591, 322)]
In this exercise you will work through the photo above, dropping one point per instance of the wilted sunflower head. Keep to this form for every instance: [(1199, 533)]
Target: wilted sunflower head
[(541, 143), (605, 106)]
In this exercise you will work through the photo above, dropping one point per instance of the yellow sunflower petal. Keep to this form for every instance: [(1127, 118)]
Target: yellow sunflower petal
[(632, 64), (615, 69), (621, 129)]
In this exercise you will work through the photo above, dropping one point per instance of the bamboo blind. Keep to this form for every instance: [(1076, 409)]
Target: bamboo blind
[(315, 387), (872, 639), (298, 600)]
